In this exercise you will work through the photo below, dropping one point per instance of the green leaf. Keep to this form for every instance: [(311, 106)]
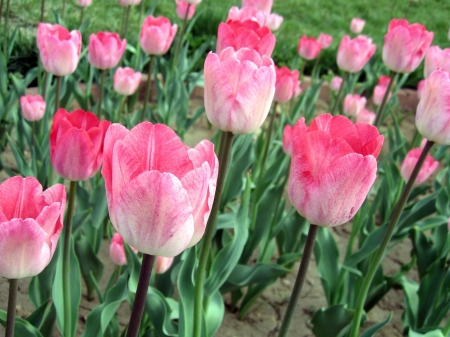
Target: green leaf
[(214, 314), (333, 321), (411, 302), (372, 242), (374, 329), (22, 327), (161, 313), (434, 333)]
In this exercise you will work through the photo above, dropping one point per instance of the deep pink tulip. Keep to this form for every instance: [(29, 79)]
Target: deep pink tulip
[(129, 2), (436, 58), (239, 88), (247, 34), (157, 35), (429, 166), (405, 45), (325, 40), (336, 83), (354, 104), (357, 25), (380, 90), (353, 54), (33, 107), (333, 167), (117, 250), (182, 9), (366, 116), (84, 3), (247, 13), (59, 50), (261, 5), (126, 81), (162, 264), (105, 50), (433, 111), (287, 139), (76, 144), (31, 221), (274, 21), (287, 84), (172, 214), (309, 48), (420, 88)]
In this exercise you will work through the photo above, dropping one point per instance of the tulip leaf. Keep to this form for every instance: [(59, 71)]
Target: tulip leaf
[(22, 327), (434, 333), (332, 321), (135, 268), (214, 314), (374, 329), (161, 313), (411, 302), (254, 292)]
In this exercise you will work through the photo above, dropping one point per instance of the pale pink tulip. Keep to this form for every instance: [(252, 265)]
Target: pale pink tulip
[(274, 21), (117, 250), (162, 264), (59, 50), (105, 50), (357, 25), (429, 166), (247, 13), (261, 5), (172, 214), (336, 83), (309, 48), (126, 81), (436, 58), (433, 111), (182, 9), (420, 88), (129, 2), (333, 167), (247, 34), (287, 139), (366, 116), (31, 221), (405, 45), (353, 54), (325, 40), (157, 35), (239, 88), (354, 104), (33, 107), (84, 3), (380, 90), (287, 84)]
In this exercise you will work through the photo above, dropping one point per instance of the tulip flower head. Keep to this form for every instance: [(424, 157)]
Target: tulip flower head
[(287, 139), (333, 166), (354, 104), (428, 167), (31, 221), (436, 58), (117, 250), (171, 215), (157, 35), (420, 88), (126, 81), (105, 50), (129, 2), (247, 13), (162, 264), (182, 9), (366, 116), (309, 48), (287, 84), (33, 107), (193, 2), (380, 90), (357, 25), (239, 88), (274, 21), (261, 5), (353, 54), (405, 45), (325, 40), (336, 83), (84, 3)]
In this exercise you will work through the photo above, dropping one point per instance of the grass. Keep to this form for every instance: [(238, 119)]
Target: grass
[(305, 17)]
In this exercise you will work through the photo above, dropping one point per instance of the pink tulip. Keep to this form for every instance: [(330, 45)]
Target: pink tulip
[(129, 2), (117, 250), (336, 83), (366, 116), (239, 88), (333, 167), (193, 2), (357, 25), (76, 144), (172, 214), (309, 48), (427, 169), (287, 139), (247, 13), (31, 221), (126, 81), (33, 107), (261, 5), (436, 58), (59, 50), (433, 111), (157, 35), (420, 88), (380, 90), (182, 9), (163, 264), (105, 50), (405, 45), (84, 3), (353, 54), (247, 34), (287, 84), (354, 104), (325, 40), (274, 21)]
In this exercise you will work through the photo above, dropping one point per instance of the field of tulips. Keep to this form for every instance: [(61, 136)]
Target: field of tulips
[(157, 189)]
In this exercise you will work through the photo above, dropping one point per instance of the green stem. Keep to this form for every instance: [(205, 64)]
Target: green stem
[(44, 83), (63, 10), (141, 13), (226, 142), (181, 38), (42, 11), (125, 25), (386, 239), (413, 141), (313, 73), (446, 330), (82, 15), (148, 86), (32, 133), (5, 36), (100, 96), (58, 92), (385, 99), (141, 295), (66, 259), (118, 117), (341, 89), (1, 10), (301, 276), (11, 313), (122, 25)]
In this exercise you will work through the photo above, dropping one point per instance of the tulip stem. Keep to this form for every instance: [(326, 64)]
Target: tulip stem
[(314, 70), (148, 86), (66, 258), (82, 15), (11, 313), (5, 37), (126, 17), (141, 295), (181, 38), (58, 92), (226, 142), (385, 99), (117, 118), (301, 276), (338, 98), (141, 13), (1, 10), (395, 216), (100, 96), (63, 10), (32, 134), (42, 10)]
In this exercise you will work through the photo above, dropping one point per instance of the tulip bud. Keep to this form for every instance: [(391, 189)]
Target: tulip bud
[(84, 3), (380, 90), (157, 35), (325, 40), (287, 84), (354, 104), (357, 25), (309, 48), (33, 107), (162, 264), (353, 54), (105, 50), (261, 5), (410, 161), (420, 88), (126, 81), (117, 250), (247, 13), (182, 8), (129, 2), (287, 140), (366, 116), (336, 83)]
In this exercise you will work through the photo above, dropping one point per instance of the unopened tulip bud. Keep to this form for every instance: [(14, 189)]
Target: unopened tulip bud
[(33, 107), (354, 104), (336, 83), (309, 48), (325, 40), (357, 25), (287, 84), (105, 50), (366, 116), (163, 264), (126, 81), (428, 167), (182, 10), (157, 35), (84, 3), (353, 54)]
